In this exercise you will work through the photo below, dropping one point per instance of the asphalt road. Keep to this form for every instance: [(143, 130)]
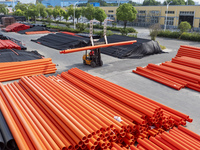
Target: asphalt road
[(119, 71)]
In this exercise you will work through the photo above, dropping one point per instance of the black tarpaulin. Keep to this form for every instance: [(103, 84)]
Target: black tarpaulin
[(35, 28), (61, 41), (7, 137), (142, 48), (8, 55)]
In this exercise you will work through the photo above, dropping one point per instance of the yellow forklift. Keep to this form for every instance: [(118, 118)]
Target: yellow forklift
[(93, 58)]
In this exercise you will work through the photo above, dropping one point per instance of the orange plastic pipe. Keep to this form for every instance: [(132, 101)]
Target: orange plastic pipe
[(98, 46), (29, 130), (54, 132), (21, 143), (160, 144), (189, 132), (64, 126)]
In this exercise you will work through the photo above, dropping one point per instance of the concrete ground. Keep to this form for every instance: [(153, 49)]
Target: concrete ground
[(119, 71)]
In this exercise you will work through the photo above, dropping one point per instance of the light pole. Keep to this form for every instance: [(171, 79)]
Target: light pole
[(166, 14), (74, 13)]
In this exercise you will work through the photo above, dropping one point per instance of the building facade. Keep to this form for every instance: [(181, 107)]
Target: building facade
[(148, 15)]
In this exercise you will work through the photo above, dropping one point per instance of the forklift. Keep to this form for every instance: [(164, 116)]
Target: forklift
[(93, 58)]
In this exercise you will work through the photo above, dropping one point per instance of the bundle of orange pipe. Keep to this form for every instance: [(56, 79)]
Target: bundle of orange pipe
[(8, 44), (15, 70), (183, 71), (37, 32), (80, 111), (97, 46), (177, 138), (189, 51)]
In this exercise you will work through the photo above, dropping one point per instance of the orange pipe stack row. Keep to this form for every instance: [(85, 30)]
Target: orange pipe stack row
[(177, 138), (8, 44), (78, 110), (37, 32), (178, 73), (189, 51), (15, 70), (15, 27)]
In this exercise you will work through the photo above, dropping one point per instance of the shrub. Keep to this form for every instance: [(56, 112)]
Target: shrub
[(169, 34), (184, 26), (133, 35), (183, 36), (65, 29), (131, 30), (154, 30), (100, 33), (114, 24), (81, 26), (190, 36), (124, 31)]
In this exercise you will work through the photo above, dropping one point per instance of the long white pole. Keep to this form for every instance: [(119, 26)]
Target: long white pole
[(166, 18), (74, 13)]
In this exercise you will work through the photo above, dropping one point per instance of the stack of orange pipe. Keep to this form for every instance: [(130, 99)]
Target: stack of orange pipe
[(183, 71), (15, 70), (81, 111), (8, 44), (37, 32), (189, 51), (177, 138)]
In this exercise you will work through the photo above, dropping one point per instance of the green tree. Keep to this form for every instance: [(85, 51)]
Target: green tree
[(150, 3), (42, 10), (100, 15), (78, 13), (89, 12), (32, 11), (190, 2), (49, 11), (126, 12), (175, 2), (22, 7), (184, 26), (18, 12), (56, 12), (70, 12), (83, 11), (3, 9), (62, 13)]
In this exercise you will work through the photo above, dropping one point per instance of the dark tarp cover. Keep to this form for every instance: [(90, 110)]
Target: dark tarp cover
[(61, 41), (8, 55), (8, 139), (35, 28), (142, 48)]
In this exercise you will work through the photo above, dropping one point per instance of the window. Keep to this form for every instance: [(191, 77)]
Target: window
[(110, 16), (154, 19), (155, 12), (141, 18), (142, 11), (186, 12), (110, 11), (170, 21), (169, 12)]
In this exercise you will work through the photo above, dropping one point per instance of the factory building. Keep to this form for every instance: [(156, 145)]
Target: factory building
[(148, 15)]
